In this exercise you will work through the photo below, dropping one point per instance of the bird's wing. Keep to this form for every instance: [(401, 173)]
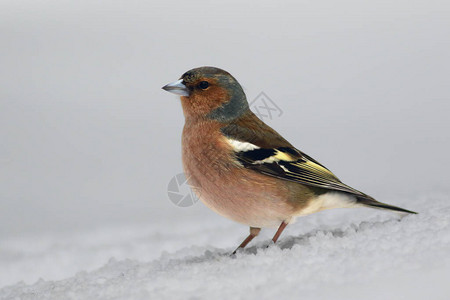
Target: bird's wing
[(293, 165), (260, 148)]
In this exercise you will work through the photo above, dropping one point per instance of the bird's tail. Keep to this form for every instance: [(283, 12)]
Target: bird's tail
[(375, 204)]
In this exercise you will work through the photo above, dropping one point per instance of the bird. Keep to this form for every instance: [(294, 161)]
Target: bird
[(244, 170)]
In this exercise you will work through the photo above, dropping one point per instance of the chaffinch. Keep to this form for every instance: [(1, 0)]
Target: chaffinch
[(243, 169)]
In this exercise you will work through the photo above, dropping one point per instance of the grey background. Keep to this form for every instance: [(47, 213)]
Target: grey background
[(88, 138)]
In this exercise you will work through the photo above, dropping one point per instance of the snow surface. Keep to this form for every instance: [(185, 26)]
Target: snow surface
[(339, 254)]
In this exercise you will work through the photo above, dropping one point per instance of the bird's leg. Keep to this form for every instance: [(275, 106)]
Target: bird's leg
[(253, 232), (279, 231)]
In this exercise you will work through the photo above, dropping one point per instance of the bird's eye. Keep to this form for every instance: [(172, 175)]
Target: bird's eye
[(203, 85)]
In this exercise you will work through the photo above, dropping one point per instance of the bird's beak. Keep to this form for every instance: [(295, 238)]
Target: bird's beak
[(177, 87)]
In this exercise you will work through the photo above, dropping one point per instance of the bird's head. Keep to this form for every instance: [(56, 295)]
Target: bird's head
[(209, 92)]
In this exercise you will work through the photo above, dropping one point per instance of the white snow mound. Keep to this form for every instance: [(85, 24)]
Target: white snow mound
[(340, 254)]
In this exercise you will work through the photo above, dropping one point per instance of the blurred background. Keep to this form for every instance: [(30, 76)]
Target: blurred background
[(88, 139)]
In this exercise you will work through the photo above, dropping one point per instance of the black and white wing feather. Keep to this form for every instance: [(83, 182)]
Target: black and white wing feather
[(290, 164)]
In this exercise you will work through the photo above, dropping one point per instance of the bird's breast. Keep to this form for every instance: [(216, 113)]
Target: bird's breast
[(227, 187), (207, 158)]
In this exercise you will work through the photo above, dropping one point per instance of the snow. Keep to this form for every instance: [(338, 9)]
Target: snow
[(353, 253)]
